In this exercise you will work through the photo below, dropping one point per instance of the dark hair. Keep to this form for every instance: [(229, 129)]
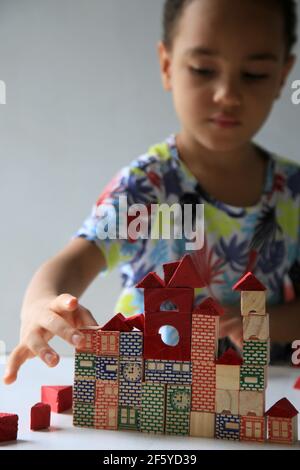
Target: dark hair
[(173, 10)]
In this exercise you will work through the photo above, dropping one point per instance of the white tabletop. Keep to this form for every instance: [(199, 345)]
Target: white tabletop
[(19, 397)]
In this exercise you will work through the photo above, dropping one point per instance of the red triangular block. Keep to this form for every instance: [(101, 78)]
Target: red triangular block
[(249, 283), (209, 307), (282, 409), (297, 384), (230, 358), (186, 275), (117, 323), (169, 270), (152, 280), (136, 321)]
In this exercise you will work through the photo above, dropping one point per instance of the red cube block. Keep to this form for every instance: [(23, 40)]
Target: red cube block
[(40, 416), (8, 427), (59, 397)]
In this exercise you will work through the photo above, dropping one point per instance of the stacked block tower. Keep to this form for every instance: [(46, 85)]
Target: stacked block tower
[(128, 377)]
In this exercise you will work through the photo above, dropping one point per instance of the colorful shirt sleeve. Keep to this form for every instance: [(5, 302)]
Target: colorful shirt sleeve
[(107, 224)]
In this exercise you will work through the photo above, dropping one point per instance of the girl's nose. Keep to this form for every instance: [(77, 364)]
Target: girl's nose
[(227, 93)]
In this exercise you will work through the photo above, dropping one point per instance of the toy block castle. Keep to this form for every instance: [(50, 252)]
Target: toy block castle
[(128, 377)]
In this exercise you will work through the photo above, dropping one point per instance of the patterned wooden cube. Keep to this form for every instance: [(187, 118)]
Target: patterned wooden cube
[(90, 335), (153, 408), (107, 368), (253, 378), (228, 427), (178, 410), (256, 353), (131, 344), (84, 391), (85, 365), (163, 371), (83, 414), (106, 404), (108, 343), (205, 333), (253, 428), (203, 386), (129, 418), (130, 382)]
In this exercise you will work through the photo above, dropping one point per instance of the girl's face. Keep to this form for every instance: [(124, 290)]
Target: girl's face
[(225, 70)]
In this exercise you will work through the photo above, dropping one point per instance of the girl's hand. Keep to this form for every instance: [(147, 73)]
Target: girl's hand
[(43, 320), (231, 325)]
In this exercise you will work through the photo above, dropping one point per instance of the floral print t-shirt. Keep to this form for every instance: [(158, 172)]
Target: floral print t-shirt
[(263, 238)]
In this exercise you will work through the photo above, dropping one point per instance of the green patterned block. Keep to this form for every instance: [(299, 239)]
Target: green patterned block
[(177, 424), (85, 365), (83, 414), (253, 378), (178, 410), (256, 353), (153, 408), (129, 418)]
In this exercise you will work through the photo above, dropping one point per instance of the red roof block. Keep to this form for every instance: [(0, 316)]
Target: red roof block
[(151, 281), (230, 358), (186, 275), (297, 384), (249, 283), (59, 397), (169, 270), (8, 427), (40, 416), (136, 321), (117, 323), (282, 409), (209, 307)]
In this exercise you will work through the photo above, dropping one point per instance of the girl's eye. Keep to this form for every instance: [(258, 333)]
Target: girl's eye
[(203, 72), (256, 76)]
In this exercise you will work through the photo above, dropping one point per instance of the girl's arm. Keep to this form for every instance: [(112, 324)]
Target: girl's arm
[(50, 306)]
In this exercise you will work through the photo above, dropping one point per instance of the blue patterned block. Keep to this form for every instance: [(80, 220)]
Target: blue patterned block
[(228, 427), (84, 391), (172, 372), (130, 382), (107, 368), (131, 344)]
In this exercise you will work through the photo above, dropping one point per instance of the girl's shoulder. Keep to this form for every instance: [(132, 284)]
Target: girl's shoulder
[(157, 158)]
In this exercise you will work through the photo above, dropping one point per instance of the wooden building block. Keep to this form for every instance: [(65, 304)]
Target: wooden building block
[(129, 418), (83, 414), (256, 353), (282, 420), (227, 377), (228, 427), (153, 408), (252, 403), (253, 378), (256, 327), (253, 428), (106, 405), (178, 410), (253, 302), (227, 402), (169, 372), (40, 416), (8, 427), (202, 424), (108, 343), (59, 397), (90, 335), (203, 386)]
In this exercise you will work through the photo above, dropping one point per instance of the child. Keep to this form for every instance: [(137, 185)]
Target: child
[(225, 62)]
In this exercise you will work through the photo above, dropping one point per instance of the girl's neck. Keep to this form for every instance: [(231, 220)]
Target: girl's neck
[(202, 161)]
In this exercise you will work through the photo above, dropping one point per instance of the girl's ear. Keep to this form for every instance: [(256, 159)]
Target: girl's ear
[(165, 65), (288, 65)]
